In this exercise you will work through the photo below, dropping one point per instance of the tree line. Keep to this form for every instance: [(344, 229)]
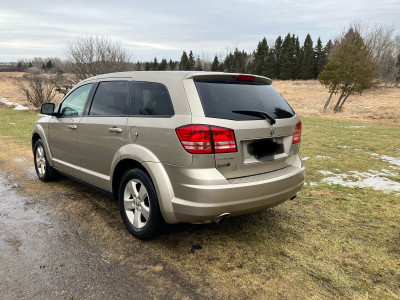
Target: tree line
[(354, 61), (284, 58)]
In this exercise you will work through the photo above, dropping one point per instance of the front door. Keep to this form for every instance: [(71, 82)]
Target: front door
[(63, 130)]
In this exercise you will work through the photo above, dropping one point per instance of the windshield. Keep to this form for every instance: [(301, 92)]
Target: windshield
[(220, 99)]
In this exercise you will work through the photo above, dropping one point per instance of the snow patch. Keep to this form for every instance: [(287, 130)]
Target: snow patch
[(389, 159), (362, 126), (16, 105), (322, 156), (372, 179), (323, 172), (305, 158)]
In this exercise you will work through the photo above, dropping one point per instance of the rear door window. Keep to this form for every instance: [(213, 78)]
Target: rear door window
[(220, 99), (111, 99), (151, 99)]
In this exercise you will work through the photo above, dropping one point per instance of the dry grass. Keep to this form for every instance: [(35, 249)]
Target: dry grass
[(332, 242), (307, 97)]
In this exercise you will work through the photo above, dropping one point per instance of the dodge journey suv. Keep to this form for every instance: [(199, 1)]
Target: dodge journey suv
[(174, 146)]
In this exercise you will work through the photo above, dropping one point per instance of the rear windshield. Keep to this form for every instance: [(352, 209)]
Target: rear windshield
[(219, 99)]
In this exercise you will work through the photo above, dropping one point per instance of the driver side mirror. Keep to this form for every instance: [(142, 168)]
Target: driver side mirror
[(47, 109)]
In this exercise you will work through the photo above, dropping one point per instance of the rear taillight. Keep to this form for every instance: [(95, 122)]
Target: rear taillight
[(297, 133), (206, 139)]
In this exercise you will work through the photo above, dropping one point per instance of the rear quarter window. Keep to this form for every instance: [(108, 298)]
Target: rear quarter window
[(151, 99), (220, 99)]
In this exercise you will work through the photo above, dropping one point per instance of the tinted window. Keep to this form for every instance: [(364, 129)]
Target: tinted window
[(111, 99), (73, 105), (219, 99), (151, 99)]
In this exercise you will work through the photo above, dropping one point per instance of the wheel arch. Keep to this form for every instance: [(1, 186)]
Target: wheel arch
[(35, 138), (158, 177)]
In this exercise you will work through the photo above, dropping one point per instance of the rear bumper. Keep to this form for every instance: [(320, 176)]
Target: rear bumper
[(212, 195)]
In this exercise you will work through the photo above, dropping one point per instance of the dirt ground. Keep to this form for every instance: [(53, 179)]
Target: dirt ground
[(46, 253), (380, 105)]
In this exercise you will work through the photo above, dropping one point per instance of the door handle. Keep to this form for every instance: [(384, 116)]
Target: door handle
[(115, 129), (72, 126)]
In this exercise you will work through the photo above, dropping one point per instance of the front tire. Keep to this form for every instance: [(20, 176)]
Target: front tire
[(138, 204), (43, 170)]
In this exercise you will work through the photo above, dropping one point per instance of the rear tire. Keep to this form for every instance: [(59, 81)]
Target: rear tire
[(138, 204), (43, 170)]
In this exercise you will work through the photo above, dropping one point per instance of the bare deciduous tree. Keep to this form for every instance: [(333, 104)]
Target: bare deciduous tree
[(89, 56), (38, 87), (379, 38)]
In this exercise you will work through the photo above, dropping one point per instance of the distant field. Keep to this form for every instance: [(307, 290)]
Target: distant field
[(307, 97), (339, 239)]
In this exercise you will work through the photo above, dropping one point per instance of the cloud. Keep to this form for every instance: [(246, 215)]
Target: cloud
[(166, 28)]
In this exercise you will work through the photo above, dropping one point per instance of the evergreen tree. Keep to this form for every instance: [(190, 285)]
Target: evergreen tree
[(19, 65), (192, 62), (288, 60), (398, 69), (138, 66), (237, 62), (49, 64), (163, 65), (154, 64), (184, 65), (260, 58), (215, 64), (171, 65), (298, 57), (43, 66), (328, 48), (147, 66), (350, 70), (308, 63), (270, 64), (199, 66), (278, 56), (320, 58), (30, 64)]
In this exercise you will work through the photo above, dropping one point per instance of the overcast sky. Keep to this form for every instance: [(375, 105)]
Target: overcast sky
[(166, 28)]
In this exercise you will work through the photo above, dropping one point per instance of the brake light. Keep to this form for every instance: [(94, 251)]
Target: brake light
[(242, 77), (203, 139), (297, 133)]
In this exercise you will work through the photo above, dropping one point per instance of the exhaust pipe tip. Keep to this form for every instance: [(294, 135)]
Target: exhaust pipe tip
[(221, 218)]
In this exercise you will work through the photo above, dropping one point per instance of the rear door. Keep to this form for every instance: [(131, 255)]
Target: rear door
[(263, 123), (102, 132)]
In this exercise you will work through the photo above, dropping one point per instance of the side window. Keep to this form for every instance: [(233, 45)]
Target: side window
[(151, 99), (111, 99), (73, 105)]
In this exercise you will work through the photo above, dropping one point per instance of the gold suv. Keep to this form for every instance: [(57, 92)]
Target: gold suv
[(174, 146)]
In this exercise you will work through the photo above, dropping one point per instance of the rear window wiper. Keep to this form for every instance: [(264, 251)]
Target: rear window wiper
[(257, 113)]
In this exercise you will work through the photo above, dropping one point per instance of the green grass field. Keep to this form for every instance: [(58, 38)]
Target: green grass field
[(333, 241)]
